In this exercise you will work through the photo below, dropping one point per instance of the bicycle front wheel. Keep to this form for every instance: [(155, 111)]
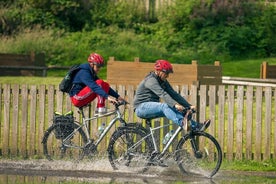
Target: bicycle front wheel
[(129, 149), (198, 153), (65, 145)]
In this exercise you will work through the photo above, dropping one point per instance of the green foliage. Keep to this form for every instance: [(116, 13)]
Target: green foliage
[(204, 30), (215, 30), (10, 19), (63, 14), (123, 14)]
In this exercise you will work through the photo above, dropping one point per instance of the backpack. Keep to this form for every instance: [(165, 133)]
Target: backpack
[(67, 82)]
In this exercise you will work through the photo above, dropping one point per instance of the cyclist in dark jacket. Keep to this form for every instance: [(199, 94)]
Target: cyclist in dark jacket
[(154, 87), (87, 85)]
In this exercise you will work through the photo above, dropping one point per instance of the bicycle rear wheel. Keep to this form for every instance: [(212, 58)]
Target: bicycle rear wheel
[(68, 146), (198, 153), (129, 150)]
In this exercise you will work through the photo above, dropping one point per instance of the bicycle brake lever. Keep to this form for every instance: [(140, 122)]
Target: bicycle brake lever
[(121, 103), (189, 109), (125, 102)]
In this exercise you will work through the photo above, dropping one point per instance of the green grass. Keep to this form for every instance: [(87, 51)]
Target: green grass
[(31, 80), (240, 68), (249, 165), (245, 68)]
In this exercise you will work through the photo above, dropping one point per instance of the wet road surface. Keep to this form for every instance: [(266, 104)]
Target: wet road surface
[(100, 171)]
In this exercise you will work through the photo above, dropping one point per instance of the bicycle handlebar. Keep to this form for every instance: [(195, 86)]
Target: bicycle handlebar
[(187, 112), (117, 105)]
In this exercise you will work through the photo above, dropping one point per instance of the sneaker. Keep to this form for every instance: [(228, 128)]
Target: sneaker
[(100, 111), (203, 126)]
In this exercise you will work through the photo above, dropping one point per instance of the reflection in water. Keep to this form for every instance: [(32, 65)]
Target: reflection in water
[(99, 171), (17, 179), (20, 179)]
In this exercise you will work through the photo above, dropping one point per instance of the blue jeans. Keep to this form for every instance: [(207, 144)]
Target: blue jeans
[(150, 110)]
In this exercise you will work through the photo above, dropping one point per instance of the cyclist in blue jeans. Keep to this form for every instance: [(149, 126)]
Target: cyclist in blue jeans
[(154, 87)]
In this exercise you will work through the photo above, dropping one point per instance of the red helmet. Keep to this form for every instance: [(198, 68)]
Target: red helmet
[(96, 59), (164, 66)]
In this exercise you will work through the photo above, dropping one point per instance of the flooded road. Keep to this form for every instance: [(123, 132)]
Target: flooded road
[(100, 171)]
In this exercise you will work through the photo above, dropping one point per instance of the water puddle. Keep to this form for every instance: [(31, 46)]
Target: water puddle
[(100, 171)]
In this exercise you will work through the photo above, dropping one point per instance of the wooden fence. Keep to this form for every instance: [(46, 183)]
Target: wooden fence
[(243, 117), (267, 71), (131, 73), (248, 81), (23, 64)]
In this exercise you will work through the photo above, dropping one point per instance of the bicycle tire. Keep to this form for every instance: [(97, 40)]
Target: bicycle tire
[(56, 149), (121, 157), (206, 161)]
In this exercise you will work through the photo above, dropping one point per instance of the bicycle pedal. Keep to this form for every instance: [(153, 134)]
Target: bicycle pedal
[(91, 147), (90, 150)]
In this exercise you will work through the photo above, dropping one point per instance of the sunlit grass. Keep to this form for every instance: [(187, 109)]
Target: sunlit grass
[(245, 68), (249, 165), (31, 80)]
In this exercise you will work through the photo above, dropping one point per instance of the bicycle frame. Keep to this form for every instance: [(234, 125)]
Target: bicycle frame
[(86, 122), (197, 152), (151, 134)]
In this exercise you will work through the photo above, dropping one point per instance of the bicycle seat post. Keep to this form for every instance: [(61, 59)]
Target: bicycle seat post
[(148, 122), (81, 112)]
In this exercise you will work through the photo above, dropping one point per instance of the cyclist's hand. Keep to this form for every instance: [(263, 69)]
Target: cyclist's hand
[(120, 99), (193, 108), (179, 107), (112, 99)]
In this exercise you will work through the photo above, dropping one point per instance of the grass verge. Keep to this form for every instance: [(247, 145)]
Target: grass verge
[(249, 165)]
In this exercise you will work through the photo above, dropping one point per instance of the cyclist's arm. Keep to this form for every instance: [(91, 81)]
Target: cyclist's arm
[(176, 96), (155, 87), (113, 93)]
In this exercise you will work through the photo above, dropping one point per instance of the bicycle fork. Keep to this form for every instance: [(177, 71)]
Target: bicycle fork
[(197, 153)]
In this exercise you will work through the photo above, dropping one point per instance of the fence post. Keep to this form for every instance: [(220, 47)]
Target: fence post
[(136, 59), (217, 63), (263, 71), (111, 59)]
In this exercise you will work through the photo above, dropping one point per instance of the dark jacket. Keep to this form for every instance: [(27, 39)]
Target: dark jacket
[(87, 77), (152, 88)]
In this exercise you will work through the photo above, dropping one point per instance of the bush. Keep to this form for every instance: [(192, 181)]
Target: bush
[(202, 30)]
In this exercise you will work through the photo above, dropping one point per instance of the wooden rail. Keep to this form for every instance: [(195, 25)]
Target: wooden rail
[(249, 81), (44, 69), (243, 117)]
